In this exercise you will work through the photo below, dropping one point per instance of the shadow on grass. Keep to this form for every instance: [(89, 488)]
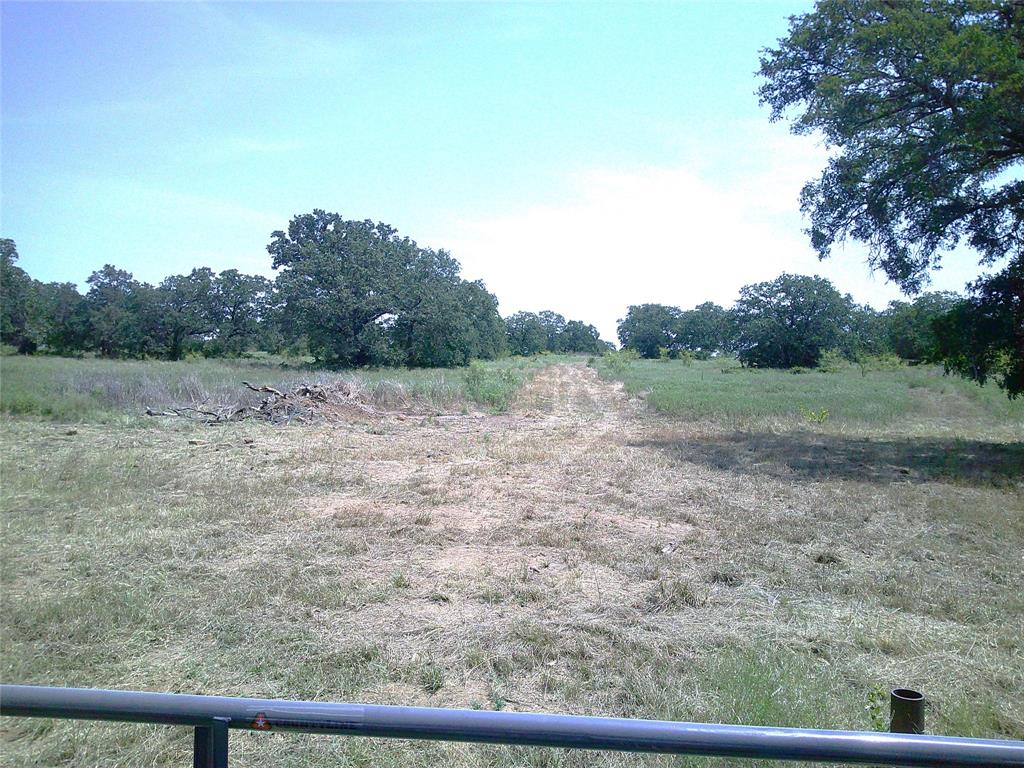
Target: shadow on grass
[(806, 456)]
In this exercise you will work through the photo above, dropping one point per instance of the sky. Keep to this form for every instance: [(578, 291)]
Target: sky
[(579, 157)]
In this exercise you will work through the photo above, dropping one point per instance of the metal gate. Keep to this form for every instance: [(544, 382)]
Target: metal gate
[(212, 717)]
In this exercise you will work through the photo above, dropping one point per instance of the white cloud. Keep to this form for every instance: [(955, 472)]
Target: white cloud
[(678, 235)]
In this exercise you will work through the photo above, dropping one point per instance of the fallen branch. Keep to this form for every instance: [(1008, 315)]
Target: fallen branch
[(306, 403), (264, 388)]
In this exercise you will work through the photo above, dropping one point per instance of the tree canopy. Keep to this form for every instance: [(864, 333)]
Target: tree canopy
[(424, 314), (790, 321), (649, 328), (923, 102), (706, 329), (530, 333), (983, 336), (364, 295), (911, 325)]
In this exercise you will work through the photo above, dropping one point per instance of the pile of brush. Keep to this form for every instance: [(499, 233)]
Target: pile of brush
[(304, 404)]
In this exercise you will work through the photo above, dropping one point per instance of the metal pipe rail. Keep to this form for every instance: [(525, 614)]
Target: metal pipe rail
[(212, 716)]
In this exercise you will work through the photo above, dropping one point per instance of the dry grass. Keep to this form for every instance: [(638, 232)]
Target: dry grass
[(92, 389), (577, 554)]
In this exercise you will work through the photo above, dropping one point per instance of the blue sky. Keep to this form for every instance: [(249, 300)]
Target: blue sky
[(577, 157)]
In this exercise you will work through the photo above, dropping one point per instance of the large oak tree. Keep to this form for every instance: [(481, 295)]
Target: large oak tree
[(364, 295), (923, 103), (790, 321)]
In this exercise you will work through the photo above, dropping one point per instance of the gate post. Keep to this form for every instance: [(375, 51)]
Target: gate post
[(210, 746)]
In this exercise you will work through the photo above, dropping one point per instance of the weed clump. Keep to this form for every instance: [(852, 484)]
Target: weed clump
[(673, 594), (819, 416), (493, 388)]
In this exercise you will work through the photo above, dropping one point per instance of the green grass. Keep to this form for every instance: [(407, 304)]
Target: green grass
[(720, 390), (69, 389)]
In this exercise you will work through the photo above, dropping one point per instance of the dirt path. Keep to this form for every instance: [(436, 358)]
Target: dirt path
[(489, 523), (575, 393), (580, 524)]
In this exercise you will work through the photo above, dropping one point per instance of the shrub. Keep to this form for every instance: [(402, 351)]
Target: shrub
[(685, 356), (883, 362), (815, 417), (832, 361), (618, 361), (489, 386)]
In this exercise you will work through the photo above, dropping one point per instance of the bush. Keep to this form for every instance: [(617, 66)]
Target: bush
[(886, 361), (832, 361), (617, 362), (815, 417), (490, 386)]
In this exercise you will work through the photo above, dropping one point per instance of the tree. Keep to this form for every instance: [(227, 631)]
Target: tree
[(240, 308), (451, 324), (981, 337), (488, 339), (435, 334), (125, 317), (705, 330), (527, 334), (363, 295), (16, 297), (352, 292), (580, 337), (867, 333), (64, 319), (188, 309), (911, 325), (339, 280), (531, 333), (789, 321), (922, 99), (647, 328), (554, 326)]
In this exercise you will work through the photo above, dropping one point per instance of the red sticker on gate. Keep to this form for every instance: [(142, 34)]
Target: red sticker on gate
[(260, 723)]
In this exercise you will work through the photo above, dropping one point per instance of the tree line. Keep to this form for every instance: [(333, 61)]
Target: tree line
[(349, 293), (792, 321)]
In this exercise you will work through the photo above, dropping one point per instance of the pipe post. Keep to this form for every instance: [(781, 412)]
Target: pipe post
[(906, 709)]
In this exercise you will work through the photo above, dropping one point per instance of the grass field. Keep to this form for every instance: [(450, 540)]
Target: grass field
[(901, 398), (94, 389), (705, 552)]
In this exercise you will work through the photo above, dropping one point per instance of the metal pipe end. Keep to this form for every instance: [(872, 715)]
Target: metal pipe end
[(906, 708)]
